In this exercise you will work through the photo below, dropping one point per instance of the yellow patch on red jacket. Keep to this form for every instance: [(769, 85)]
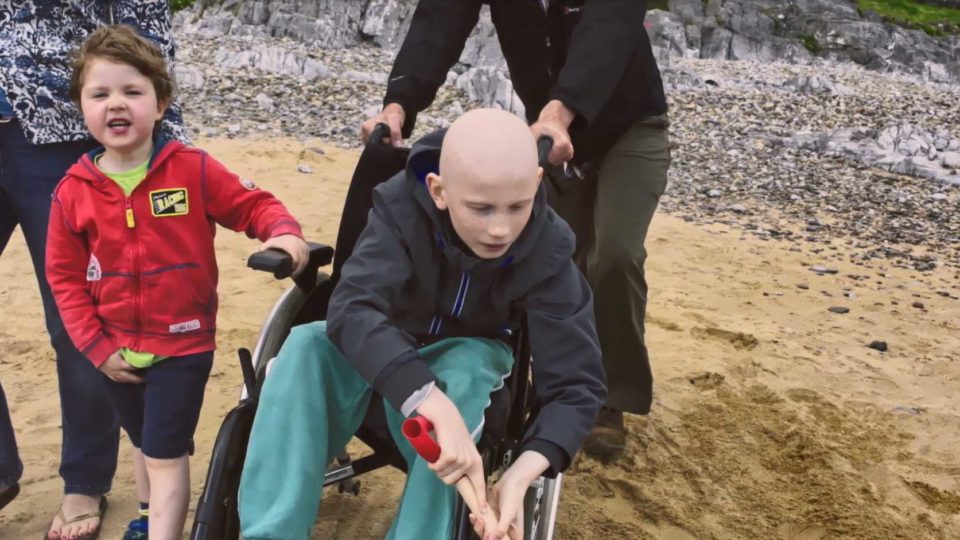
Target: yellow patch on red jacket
[(169, 202)]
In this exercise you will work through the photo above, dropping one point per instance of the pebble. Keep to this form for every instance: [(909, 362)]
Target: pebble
[(839, 309), (878, 345)]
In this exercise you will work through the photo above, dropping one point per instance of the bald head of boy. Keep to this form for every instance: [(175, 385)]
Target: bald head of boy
[(488, 179)]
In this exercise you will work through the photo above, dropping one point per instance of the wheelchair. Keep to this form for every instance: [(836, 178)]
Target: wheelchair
[(511, 409)]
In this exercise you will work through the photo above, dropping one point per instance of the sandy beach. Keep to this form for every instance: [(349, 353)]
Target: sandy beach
[(772, 416)]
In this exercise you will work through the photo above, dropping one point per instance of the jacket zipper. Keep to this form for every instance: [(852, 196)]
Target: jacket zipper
[(461, 294), (132, 235), (131, 222), (458, 304)]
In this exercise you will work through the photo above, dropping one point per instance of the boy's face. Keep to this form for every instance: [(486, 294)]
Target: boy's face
[(119, 106), (488, 213)]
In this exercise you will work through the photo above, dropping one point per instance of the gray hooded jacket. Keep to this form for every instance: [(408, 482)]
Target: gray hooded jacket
[(410, 282)]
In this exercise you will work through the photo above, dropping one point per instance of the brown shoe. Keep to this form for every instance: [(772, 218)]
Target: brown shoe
[(608, 437)]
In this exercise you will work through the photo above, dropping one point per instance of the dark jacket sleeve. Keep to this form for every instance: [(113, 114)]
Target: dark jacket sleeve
[(601, 47), (567, 369), (438, 32), (358, 317)]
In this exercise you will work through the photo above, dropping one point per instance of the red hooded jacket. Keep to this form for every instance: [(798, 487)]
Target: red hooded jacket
[(140, 271)]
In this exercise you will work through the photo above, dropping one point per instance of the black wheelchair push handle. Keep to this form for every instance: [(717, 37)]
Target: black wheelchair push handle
[(564, 173), (280, 264), (273, 260), (380, 131), (544, 145)]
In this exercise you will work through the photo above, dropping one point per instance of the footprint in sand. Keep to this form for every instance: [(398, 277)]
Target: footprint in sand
[(739, 340), (803, 532), (707, 381), (662, 323), (942, 501), (803, 395)]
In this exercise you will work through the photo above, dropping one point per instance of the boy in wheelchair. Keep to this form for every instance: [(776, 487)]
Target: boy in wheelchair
[(446, 269)]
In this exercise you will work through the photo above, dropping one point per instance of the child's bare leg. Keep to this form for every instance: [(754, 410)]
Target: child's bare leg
[(140, 476), (169, 496)]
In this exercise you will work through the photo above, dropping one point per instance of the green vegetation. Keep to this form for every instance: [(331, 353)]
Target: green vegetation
[(177, 5), (934, 20), (810, 42)]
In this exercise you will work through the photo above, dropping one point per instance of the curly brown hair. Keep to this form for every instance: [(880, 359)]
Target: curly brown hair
[(121, 43)]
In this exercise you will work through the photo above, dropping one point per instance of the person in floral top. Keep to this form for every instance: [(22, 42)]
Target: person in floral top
[(41, 134)]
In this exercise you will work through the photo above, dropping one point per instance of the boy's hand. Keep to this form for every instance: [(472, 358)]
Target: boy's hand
[(294, 246), (458, 452), (507, 497), (119, 370)]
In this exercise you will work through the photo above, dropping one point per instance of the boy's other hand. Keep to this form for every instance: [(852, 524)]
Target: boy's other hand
[(393, 116), (119, 370), (507, 495), (458, 452), (294, 246)]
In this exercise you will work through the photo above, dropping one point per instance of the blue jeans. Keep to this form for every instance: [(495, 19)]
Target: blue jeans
[(91, 434), (10, 466)]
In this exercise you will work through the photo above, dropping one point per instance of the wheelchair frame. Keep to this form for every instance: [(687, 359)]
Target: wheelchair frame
[(216, 516)]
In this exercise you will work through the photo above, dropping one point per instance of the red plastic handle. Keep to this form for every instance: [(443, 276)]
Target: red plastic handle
[(417, 431)]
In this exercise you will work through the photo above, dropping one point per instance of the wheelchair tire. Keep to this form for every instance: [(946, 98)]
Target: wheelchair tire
[(539, 511), (216, 517), (540, 508), (282, 317)]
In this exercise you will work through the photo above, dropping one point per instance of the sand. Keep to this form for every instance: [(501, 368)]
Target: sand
[(772, 417)]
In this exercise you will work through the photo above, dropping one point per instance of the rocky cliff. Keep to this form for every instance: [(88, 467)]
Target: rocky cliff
[(801, 31), (794, 31)]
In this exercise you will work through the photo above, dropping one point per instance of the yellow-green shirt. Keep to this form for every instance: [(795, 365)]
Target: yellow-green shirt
[(128, 181)]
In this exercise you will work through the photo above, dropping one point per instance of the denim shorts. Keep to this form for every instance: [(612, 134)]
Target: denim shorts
[(160, 414)]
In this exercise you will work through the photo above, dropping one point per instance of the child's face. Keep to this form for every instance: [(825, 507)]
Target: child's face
[(119, 106), (488, 213)]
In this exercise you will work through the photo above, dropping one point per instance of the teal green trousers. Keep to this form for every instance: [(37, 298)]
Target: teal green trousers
[(312, 403)]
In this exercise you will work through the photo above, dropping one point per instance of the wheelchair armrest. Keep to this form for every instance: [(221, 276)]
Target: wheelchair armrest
[(281, 265)]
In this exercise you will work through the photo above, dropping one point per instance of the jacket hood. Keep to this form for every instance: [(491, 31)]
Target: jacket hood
[(86, 169), (424, 159)]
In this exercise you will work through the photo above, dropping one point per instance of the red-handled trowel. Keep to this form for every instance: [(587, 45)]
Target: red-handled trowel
[(417, 431)]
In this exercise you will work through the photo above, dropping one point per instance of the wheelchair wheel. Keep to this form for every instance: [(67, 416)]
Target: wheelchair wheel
[(216, 517), (540, 508), (286, 313), (539, 511)]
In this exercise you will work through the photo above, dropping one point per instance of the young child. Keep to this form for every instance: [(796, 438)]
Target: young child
[(445, 269), (131, 262)]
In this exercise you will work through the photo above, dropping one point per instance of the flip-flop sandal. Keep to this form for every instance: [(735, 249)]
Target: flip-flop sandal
[(8, 495), (92, 535)]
